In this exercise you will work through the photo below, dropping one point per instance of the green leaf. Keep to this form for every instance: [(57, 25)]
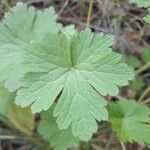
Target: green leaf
[(147, 19), (6, 100), (5, 2), (77, 68), (20, 118), (146, 55), (59, 139), (137, 84), (10, 69), (132, 61), (141, 3), (69, 30), (131, 121), (19, 27)]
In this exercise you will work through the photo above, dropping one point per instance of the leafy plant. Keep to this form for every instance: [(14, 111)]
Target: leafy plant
[(21, 119), (63, 75), (59, 139), (73, 67), (130, 120), (15, 33), (137, 84), (132, 61)]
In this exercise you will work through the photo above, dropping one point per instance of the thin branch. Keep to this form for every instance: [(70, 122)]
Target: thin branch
[(147, 91), (83, 24), (143, 68), (90, 12), (63, 7), (110, 140), (146, 101), (7, 137), (123, 145), (119, 97)]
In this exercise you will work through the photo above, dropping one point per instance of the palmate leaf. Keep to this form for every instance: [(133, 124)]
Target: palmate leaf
[(77, 68), (141, 3), (59, 139), (18, 28), (131, 121)]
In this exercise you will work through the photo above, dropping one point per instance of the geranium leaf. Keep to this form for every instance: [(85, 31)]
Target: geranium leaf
[(19, 27), (131, 121), (59, 139), (77, 68)]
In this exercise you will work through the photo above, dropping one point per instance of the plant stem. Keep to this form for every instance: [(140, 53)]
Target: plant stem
[(146, 101), (89, 12), (143, 68), (144, 94), (7, 137), (119, 97), (33, 138), (110, 140), (63, 7), (123, 146)]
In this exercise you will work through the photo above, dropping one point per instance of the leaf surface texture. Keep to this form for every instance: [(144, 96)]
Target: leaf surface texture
[(131, 121), (76, 71), (18, 28)]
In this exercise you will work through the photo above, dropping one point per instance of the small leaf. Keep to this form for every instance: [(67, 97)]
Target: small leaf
[(147, 18), (146, 55), (132, 61), (6, 100), (59, 139), (141, 3), (137, 84), (131, 121), (21, 118)]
